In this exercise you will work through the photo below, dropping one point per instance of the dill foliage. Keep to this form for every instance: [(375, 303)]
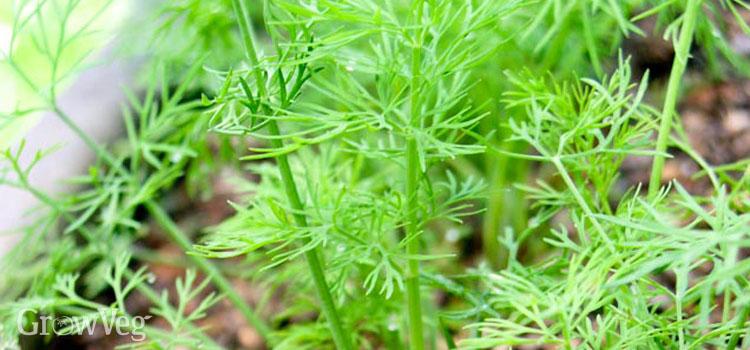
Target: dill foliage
[(369, 145)]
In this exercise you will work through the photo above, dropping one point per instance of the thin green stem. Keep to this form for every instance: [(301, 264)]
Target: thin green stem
[(502, 209), (221, 282), (248, 39), (93, 145), (741, 320), (340, 337), (679, 65), (581, 201), (491, 220), (414, 298), (413, 174), (588, 35)]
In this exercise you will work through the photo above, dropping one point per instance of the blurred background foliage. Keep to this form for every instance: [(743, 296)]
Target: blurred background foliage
[(33, 46), (199, 40)]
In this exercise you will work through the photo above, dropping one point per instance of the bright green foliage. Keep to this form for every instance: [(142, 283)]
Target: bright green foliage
[(442, 119), (599, 291), (363, 141)]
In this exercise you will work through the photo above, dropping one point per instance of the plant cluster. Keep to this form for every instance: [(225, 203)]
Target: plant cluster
[(363, 140)]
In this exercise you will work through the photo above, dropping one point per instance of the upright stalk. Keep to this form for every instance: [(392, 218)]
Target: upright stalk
[(741, 319), (682, 54), (208, 268), (413, 174), (340, 338), (491, 247)]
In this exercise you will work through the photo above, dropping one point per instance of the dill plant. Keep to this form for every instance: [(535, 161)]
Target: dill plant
[(601, 291), (423, 113), (103, 214), (361, 123)]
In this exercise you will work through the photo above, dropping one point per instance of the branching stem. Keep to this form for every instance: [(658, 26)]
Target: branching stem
[(340, 337), (581, 201)]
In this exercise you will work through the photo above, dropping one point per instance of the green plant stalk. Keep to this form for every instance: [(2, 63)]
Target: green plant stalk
[(734, 340), (208, 268), (93, 145), (581, 201), (413, 174), (340, 337), (590, 42), (502, 206), (414, 299), (491, 247), (679, 65), (505, 209)]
